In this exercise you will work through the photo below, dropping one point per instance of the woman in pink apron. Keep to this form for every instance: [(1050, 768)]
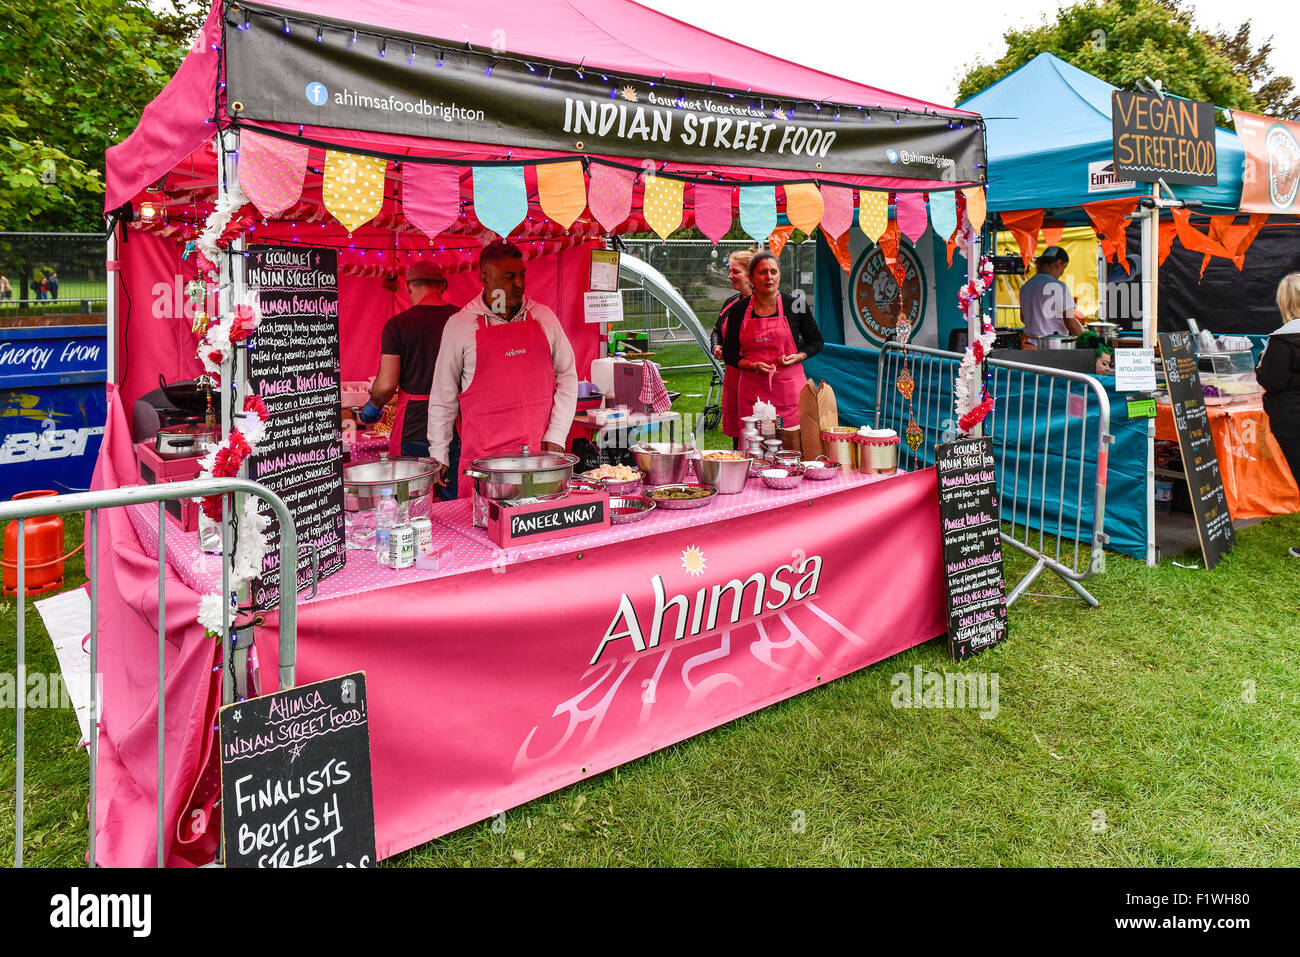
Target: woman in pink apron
[(771, 361), (509, 400), (739, 275)]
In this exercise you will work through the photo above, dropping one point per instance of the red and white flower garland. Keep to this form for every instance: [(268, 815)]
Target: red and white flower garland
[(971, 400)]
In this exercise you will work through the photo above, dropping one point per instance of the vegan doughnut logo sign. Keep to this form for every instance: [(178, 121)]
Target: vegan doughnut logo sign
[(1271, 175), (877, 300)]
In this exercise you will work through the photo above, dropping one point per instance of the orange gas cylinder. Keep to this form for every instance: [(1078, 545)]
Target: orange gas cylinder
[(42, 551)]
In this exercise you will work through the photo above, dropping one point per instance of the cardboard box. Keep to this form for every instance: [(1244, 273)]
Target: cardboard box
[(511, 525)]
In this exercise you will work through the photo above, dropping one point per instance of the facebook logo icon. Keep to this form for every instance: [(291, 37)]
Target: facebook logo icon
[(317, 94)]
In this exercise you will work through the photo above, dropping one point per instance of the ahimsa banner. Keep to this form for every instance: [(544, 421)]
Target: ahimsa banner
[(1271, 178), (332, 74), (873, 300), (491, 688)]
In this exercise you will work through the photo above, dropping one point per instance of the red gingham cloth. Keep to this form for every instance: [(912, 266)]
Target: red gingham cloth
[(652, 388)]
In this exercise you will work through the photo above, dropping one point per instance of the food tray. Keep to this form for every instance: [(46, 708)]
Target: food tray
[(828, 471), (630, 508), (614, 488), (687, 503)]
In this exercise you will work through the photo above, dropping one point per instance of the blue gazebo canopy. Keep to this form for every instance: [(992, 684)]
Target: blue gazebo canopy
[(1049, 121)]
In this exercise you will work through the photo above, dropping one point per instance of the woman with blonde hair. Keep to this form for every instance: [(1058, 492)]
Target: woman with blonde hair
[(1279, 376), (738, 273)]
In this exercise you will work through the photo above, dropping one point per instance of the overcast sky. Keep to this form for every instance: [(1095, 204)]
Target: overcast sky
[(919, 49)]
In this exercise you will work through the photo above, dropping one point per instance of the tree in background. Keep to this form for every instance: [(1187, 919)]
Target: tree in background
[(74, 76), (1123, 41)]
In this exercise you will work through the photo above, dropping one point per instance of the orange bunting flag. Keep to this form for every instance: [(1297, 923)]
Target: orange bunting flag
[(1110, 223), (840, 247), (804, 206), (353, 187), (780, 236), (1024, 225), (873, 213), (1052, 234), (1231, 241), (562, 191), (976, 206), (661, 204)]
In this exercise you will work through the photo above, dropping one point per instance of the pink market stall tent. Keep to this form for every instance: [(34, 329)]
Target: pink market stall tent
[(425, 132)]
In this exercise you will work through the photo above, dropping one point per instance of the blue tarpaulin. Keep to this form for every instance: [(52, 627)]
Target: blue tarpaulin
[(1049, 126), (853, 374)]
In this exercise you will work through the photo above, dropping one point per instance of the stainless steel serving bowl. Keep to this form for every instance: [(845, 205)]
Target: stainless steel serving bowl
[(545, 476), (727, 476), (662, 463), (409, 478)]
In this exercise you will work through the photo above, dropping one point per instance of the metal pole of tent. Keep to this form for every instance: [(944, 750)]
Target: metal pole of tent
[(110, 310), (1150, 264)]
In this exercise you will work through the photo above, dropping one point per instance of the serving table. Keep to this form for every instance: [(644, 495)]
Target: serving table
[(509, 673)]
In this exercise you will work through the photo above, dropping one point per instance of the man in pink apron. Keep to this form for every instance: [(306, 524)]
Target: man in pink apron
[(409, 352), (506, 368)]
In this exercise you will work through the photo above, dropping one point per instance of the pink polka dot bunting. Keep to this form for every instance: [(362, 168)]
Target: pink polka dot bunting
[(713, 211), (609, 195), (271, 172), (430, 197), (838, 216)]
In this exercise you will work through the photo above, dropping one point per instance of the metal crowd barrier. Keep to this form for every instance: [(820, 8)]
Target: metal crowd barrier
[(92, 502), (1032, 441)]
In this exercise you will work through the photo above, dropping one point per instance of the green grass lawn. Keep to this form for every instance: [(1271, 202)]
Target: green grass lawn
[(1160, 729)]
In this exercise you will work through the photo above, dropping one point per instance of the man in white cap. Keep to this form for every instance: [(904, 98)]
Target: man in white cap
[(409, 353), (1046, 304), (505, 368)]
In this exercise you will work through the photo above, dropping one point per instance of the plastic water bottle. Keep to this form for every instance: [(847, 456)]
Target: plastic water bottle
[(385, 519)]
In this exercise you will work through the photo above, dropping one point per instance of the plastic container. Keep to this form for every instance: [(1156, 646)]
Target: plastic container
[(602, 375), (385, 520), (1164, 495)]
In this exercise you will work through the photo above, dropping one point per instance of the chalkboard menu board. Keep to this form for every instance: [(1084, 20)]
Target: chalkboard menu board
[(293, 365), (295, 778), (1163, 137), (972, 546), (1196, 443)]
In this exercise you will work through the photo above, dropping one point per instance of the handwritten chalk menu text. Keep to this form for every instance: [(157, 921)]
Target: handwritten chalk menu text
[(1165, 138), (295, 778), (972, 547), (293, 366), (1196, 443)]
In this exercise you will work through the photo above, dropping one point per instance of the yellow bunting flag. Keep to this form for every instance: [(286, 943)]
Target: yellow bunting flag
[(562, 191), (976, 208), (353, 187), (661, 204), (804, 206), (873, 213)]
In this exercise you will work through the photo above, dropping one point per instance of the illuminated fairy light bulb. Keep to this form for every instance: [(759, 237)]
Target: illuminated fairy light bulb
[(150, 212)]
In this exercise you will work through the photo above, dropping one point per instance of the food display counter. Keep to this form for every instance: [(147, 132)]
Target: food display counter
[(504, 674)]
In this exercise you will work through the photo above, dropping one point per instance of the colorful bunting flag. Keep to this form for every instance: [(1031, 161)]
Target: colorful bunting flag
[(976, 207), (431, 197), (661, 204), (804, 206), (500, 199), (837, 214), (562, 191), (873, 213), (271, 172), (943, 214), (713, 211), (912, 219), (780, 236), (1024, 225), (609, 195), (758, 211), (353, 187), (839, 246)]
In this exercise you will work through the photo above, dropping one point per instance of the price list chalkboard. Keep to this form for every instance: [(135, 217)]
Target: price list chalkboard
[(1196, 443), (295, 778), (972, 546), (293, 365)]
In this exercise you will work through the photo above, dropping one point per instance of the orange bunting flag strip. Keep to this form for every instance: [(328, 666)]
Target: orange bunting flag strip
[(780, 236), (353, 187), (562, 191), (873, 213), (976, 206), (804, 206), (661, 204)]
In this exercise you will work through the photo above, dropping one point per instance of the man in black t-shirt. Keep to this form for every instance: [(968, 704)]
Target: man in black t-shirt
[(409, 352)]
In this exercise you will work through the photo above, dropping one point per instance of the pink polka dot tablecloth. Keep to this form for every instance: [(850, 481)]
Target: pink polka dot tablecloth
[(471, 549)]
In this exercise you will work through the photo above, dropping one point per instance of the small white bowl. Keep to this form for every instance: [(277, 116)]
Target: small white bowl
[(814, 465), (774, 473)]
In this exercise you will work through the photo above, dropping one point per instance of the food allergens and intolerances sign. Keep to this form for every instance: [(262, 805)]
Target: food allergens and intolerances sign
[(1163, 138), (972, 546)]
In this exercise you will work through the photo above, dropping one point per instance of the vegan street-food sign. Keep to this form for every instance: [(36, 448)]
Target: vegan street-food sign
[(1163, 138), (347, 76)]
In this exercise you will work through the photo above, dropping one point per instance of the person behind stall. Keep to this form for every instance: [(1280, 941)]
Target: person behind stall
[(408, 353), (738, 273), (770, 334), (1278, 373), (6, 290), (505, 367), (1046, 304), (1105, 354), (52, 282)]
